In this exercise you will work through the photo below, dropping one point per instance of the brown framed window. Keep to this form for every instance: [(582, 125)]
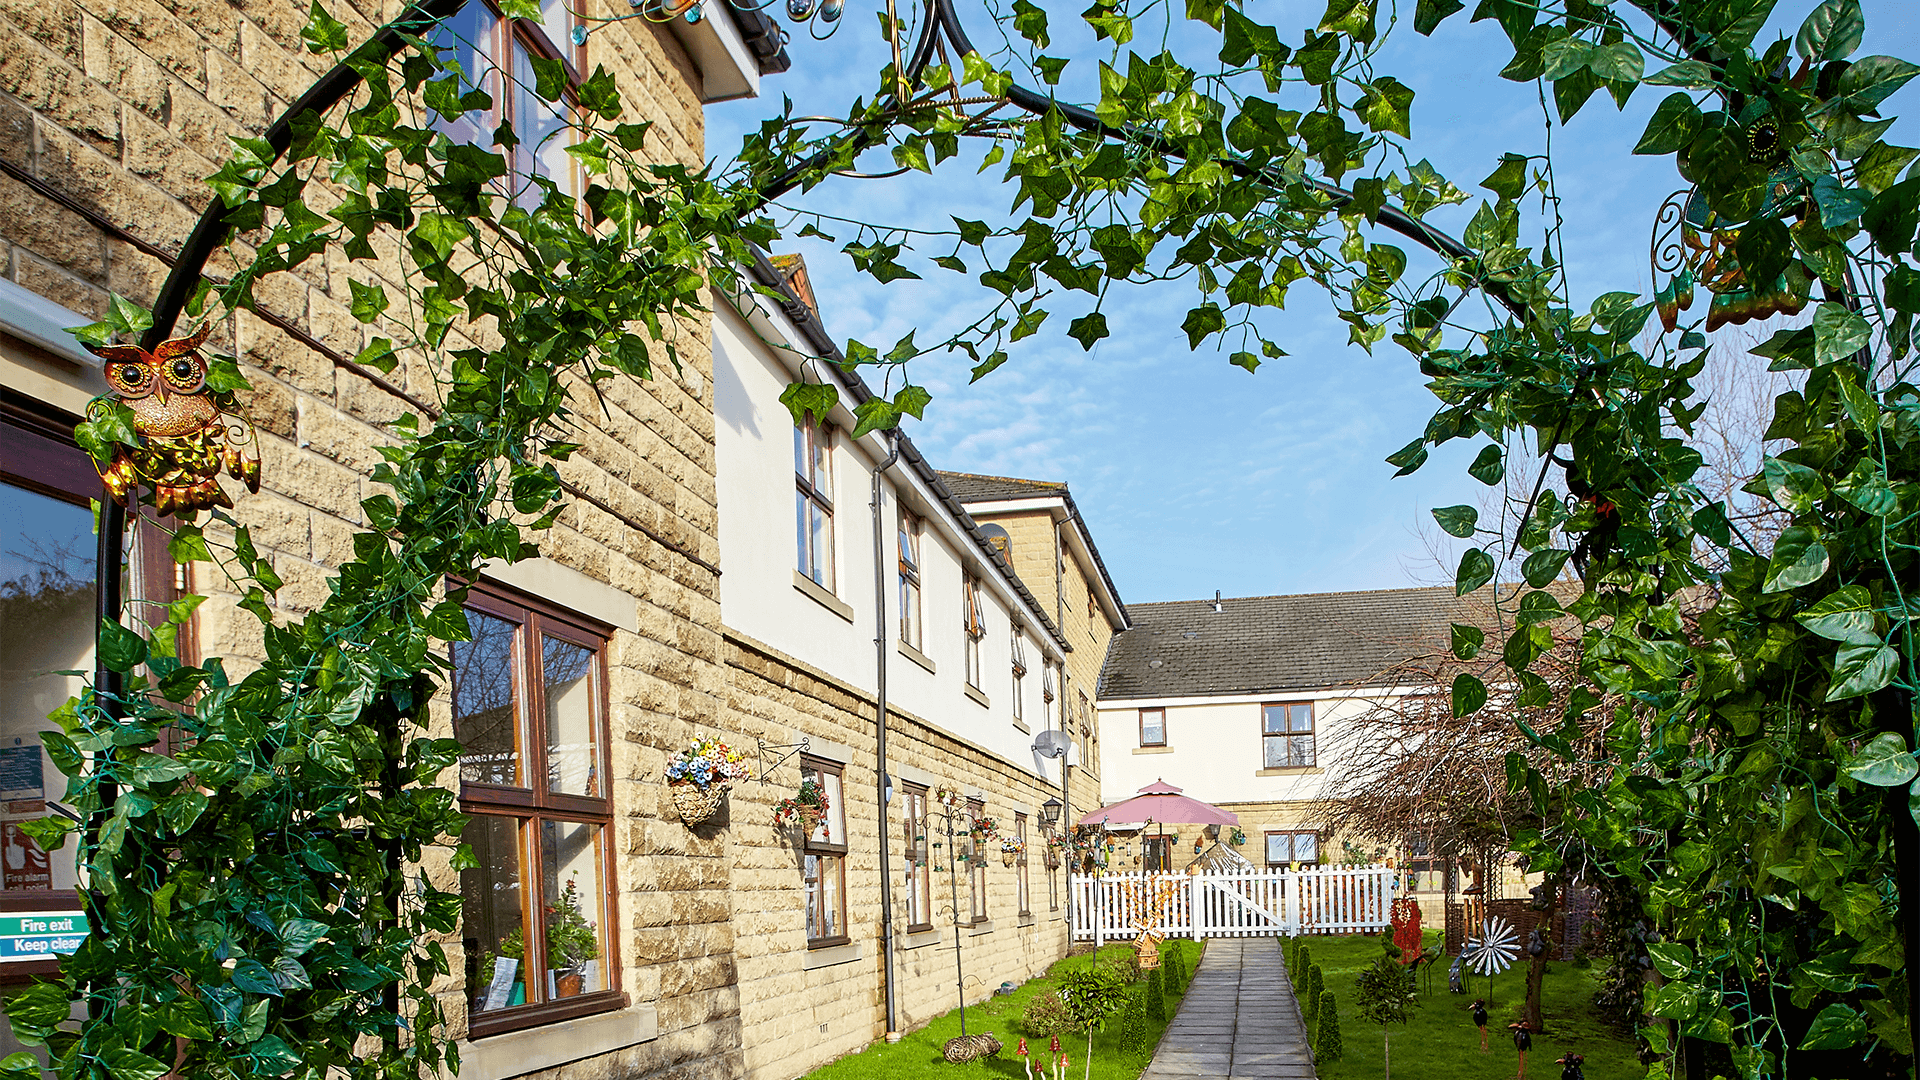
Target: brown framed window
[(1286, 734), (919, 874), (813, 502), (1085, 718), (48, 597), (1020, 865), (977, 869), (1299, 845), (910, 579), (1019, 676), (486, 44), (975, 627), (530, 711), (825, 866), (1153, 727)]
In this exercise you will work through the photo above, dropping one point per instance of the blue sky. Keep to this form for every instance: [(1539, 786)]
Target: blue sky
[(1195, 475)]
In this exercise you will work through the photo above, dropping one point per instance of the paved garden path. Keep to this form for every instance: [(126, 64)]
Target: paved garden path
[(1238, 1018)]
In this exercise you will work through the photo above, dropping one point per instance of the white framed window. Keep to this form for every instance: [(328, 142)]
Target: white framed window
[(813, 502), (910, 580), (1019, 680), (1286, 734), (975, 627)]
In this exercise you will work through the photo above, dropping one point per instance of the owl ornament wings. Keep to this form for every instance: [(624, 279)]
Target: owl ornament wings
[(186, 437)]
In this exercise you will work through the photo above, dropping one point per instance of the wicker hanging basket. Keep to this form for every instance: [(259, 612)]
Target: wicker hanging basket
[(1006, 858), (695, 803)]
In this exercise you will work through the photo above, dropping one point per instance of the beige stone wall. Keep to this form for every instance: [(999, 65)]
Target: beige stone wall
[(118, 111), (794, 1014)]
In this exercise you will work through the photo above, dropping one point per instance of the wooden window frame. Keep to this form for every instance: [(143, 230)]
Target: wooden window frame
[(829, 849), (911, 592), (973, 627), (976, 870), (1019, 676), (1023, 887), (1293, 836), (1312, 735), (504, 35), (1162, 741), (811, 440), (919, 872), (533, 805)]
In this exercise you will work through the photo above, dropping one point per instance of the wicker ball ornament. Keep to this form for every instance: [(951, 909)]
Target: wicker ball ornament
[(964, 1048), (695, 803)]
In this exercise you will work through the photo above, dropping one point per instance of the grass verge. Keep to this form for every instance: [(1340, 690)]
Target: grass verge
[(918, 1053), (1441, 1043)]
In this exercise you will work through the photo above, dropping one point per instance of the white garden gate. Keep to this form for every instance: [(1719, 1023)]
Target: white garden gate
[(1258, 903)]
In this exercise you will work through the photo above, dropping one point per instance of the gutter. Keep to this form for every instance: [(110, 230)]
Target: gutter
[(809, 326)]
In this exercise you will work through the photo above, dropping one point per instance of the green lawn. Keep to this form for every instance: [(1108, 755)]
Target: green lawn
[(918, 1054), (1441, 1042)]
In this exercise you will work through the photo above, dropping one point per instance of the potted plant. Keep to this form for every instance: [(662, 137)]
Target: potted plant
[(808, 807), (571, 941), (1010, 849), (982, 831), (1239, 837), (699, 776)]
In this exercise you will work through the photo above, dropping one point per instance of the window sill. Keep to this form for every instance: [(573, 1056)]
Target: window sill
[(919, 657), (1153, 749), (831, 956), (1292, 770), (822, 596), (984, 926), (977, 695), (528, 1050), (1026, 920), (1021, 726), (915, 939)]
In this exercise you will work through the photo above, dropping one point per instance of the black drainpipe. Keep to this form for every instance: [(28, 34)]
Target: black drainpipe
[(880, 729)]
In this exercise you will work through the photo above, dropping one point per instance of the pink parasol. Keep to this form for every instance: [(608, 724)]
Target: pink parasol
[(1161, 802)]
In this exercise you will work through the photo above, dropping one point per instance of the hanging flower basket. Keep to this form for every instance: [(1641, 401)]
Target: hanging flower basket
[(1006, 858), (696, 804), (808, 808), (699, 776)]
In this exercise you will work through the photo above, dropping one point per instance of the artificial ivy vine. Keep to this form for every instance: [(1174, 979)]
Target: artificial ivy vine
[(264, 893)]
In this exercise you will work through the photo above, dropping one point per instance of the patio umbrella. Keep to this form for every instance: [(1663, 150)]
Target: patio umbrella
[(1162, 804)]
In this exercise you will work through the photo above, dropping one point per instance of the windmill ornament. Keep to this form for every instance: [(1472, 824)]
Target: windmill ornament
[(1492, 950), (186, 435)]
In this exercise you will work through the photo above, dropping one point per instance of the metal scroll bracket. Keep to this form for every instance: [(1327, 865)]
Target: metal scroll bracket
[(762, 746)]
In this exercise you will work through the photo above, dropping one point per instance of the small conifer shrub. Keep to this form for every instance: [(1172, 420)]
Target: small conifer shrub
[(1326, 1036)]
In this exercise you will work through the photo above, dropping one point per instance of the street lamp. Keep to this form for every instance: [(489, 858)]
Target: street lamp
[(1049, 814)]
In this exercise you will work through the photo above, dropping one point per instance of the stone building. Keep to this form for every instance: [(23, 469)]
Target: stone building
[(674, 595)]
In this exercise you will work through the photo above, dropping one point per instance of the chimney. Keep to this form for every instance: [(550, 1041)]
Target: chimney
[(1216, 601)]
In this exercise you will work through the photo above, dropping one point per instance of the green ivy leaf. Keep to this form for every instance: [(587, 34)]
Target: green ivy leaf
[(1862, 669), (1428, 14), (1794, 487), (1203, 322), (368, 301), (1489, 466), (1675, 122), (127, 1064), (1844, 615), (1884, 762), (1467, 641), (1871, 80), (1831, 31), (1457, 520), (1671, 959), (1476, 569), (253, 977), (1469, 693), (1865, 486), (323, 33), (120, 648), (1543, 567), (1088, 329), (1509, 180), (809, 401), (1798, 559), (1836, 1027), (1838, 333), (1692, 74), (1409, 457)]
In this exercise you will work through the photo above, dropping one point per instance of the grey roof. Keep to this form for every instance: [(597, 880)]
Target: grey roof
[(1262, 644)]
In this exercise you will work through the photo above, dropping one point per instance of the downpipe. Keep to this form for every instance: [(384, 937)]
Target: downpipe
[(880, 730)]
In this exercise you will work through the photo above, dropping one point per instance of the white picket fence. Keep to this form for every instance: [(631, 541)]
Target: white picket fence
[(1260, 903)]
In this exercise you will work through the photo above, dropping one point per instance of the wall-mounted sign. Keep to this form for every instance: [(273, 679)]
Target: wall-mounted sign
[(41, 934)]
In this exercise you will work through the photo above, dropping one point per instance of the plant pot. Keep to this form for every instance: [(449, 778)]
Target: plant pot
[(567, 985), (696, 804), (1006, 858)]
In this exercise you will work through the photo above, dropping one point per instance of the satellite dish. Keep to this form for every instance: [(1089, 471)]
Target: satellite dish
[(1051, 744)]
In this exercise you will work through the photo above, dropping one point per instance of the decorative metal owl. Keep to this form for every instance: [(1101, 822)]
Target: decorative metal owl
[(187, 438)]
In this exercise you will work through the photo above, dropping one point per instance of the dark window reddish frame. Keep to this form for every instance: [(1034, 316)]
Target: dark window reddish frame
[(828, 887), (919, 873), (534, 804), (977, 868), (1159, 716)]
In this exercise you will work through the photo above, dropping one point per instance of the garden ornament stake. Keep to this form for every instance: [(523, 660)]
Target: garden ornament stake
[(1480, 1021), (1522, 1042)]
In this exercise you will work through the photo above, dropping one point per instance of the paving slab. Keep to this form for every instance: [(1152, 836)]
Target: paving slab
[(1238, 1019)]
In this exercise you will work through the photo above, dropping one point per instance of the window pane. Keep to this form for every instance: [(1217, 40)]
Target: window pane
[(823, 897), (1302, 717), (1153, 728), (802, 561), (483, 703), (557, 21), (573, 751), (468, 36), (1276, 751), (543, 134), (1273, 718), (1303, 847), (1279, 848), (576, 935), (835, 829), (800, 467), (493, 916), (47, 552), (1299, 749), (819, 543)]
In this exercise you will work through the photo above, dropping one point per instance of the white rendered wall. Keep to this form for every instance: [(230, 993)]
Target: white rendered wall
[(753, 435), (1214, 748)]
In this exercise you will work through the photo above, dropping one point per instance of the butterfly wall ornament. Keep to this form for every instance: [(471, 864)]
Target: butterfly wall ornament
[(186, 435)]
